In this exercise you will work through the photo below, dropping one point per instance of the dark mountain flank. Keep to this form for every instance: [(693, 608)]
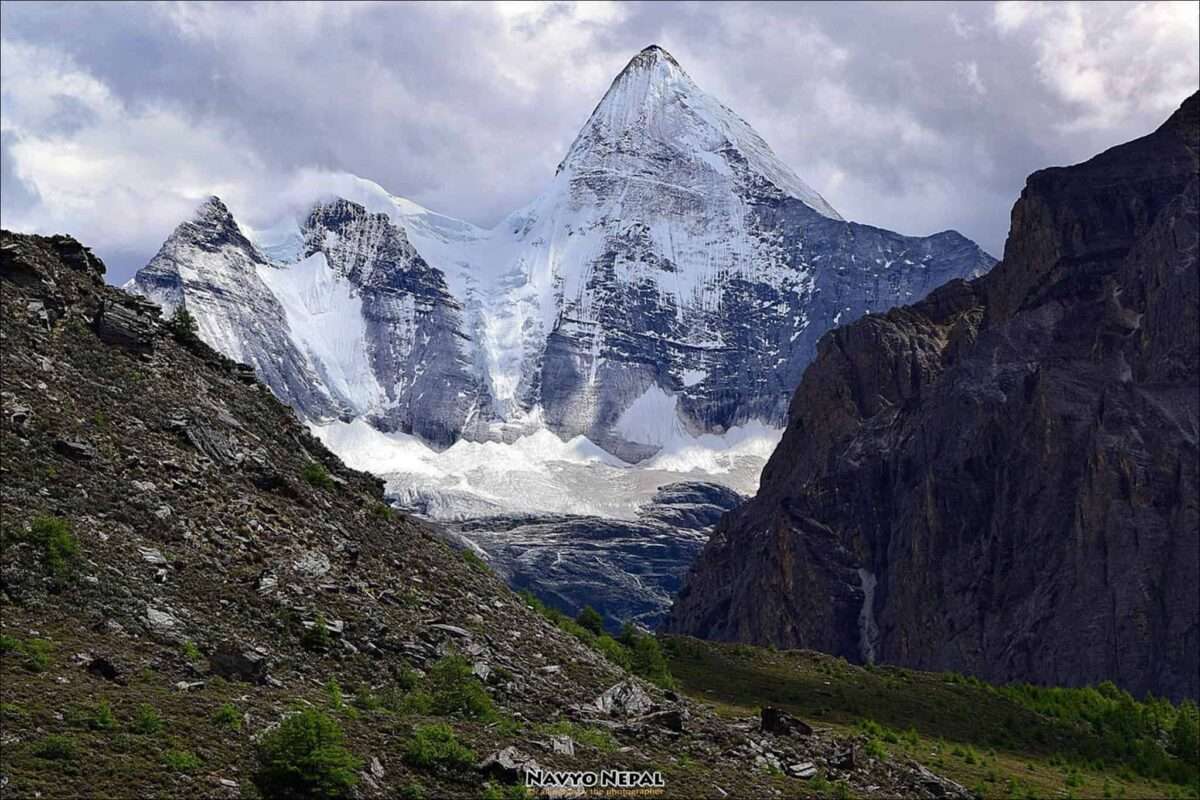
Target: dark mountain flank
[(1002, 478)]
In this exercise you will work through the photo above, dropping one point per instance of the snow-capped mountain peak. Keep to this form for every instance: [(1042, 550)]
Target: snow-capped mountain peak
[(654, 117), (671, 281)]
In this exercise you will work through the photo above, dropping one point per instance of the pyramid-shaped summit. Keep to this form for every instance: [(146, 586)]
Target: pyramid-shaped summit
[(655, 119)]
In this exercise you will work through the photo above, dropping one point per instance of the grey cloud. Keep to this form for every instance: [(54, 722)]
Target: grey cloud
[(468, 111)]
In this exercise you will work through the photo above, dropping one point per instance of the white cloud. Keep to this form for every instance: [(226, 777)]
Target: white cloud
[(1110, 61), (115, 176), (969, 70)]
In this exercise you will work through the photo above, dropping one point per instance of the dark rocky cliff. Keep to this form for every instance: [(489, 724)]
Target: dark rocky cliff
[(1001, 479)]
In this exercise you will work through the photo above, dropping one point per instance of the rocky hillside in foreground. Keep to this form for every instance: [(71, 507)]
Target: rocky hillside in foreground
[(1000, 480), (184, 569)]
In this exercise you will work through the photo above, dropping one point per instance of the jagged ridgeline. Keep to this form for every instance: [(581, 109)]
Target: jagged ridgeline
[(671, 280), (198, 599), (1002, 479)]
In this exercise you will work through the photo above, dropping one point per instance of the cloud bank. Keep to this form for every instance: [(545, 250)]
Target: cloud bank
[(115, 120)]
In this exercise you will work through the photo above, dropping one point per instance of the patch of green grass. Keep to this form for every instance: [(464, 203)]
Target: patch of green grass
[(875, 749), (227, 716), (58, 545), (306, 757), (11, 712), (497, 791), (317, 476), (36, 652), (474, 561), (456, 690), (146, 720), (436, 747), (181, 760), (599, 738), (191, 652), (56, 747), (637, 652), (1012, 741)]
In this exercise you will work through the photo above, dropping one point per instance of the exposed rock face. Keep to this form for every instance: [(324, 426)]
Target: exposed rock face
[(1001, 479), (412, 326), (673, 278), (345, 319), (209, 267), (628, 570)]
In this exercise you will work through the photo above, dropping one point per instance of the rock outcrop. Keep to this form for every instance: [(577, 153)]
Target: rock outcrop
[(1001, 479)]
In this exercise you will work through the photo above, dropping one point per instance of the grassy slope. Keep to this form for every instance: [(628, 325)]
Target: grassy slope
[(968, 731)]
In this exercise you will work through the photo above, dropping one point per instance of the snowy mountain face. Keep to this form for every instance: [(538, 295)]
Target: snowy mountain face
[(671, 281)]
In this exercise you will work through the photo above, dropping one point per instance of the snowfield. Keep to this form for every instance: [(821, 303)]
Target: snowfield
[(541, 473)]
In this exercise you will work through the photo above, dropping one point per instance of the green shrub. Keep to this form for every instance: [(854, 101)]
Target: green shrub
[(435, 747), (589, 619), (614, 651), (146, 720), (363, 698), (56, 747), (101, 717), (648, 660), (317, 476), (1185, 733), (53, 536), (9, 644), (875, 749), (181, 760), (227, 716), (456, 690), (317, 638), (305, 758), (182, 325), (417, 701), (191, 652)]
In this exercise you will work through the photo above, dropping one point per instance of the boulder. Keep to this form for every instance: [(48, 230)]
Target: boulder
[(626, 699), (238, 663), (508, 765), (781, 723)]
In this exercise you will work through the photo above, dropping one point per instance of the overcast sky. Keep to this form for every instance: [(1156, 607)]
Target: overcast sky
[(116, 120)]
